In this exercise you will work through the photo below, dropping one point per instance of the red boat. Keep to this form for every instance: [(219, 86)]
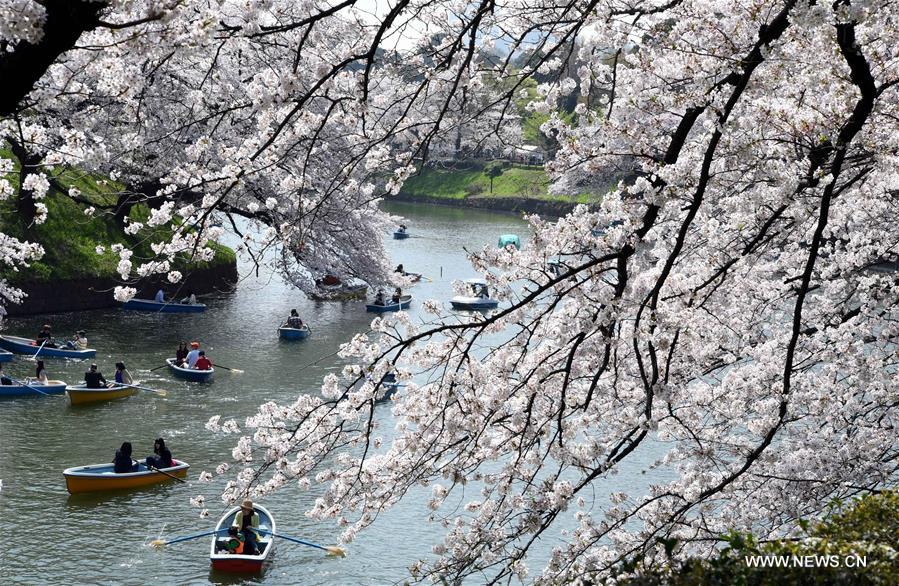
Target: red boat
[(225, 561)]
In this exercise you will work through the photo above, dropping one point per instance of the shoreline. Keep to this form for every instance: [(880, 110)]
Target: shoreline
[(496, 204)]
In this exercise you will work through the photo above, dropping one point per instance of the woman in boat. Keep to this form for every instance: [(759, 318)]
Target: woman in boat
[(160, 296), (379, 298), (246, 519), (181, 353), (397, 295), (191, 299), (122, 376), (40, 373), (122, 462), (294, 320), (162, 456), (78, 342)]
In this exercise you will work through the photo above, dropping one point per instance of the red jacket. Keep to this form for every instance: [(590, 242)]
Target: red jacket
[(203, 363)]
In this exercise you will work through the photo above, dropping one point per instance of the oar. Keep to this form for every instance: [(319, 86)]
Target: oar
[(158, 367), (39, 349), (33, 389), (161, 543), (234, 370), (159, 392), (331, 549), (160, 471)]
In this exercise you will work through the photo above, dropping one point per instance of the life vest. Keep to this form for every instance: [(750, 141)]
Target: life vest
[(235, 545)]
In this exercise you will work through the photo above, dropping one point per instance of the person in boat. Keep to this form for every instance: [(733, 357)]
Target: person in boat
[(40, 373), (79, 342), (191, 299), (402, 229), (162, 456), (399, 269), (193, 355), (122, 462), (94, 379), (397, 295), (235, 541), (181, 353), (4, 380), (482, 292), (45, 337), (379, 298), (160, 296), (244, 521), (202, 362), (122, 376), (294, 320)]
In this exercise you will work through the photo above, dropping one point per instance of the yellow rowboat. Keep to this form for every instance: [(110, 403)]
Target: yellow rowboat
[(101, 477), (81, 395)]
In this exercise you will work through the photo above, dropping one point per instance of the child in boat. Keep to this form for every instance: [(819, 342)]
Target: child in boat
[(235, 542), (202, 362), (122, 462), (162, 456)]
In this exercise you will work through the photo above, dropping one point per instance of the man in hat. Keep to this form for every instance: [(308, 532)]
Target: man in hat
[(79, 342), (246, 519), (93, 378), (193, 355)]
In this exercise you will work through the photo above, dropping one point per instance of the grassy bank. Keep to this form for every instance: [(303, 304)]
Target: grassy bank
[(70, 236), (519, 181)]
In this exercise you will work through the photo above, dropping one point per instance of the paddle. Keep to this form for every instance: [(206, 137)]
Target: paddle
[(33, 389), (39, 349), (161, 472), (234, 370), (161, 543), (158, 367), (159, 392), (331, 549)]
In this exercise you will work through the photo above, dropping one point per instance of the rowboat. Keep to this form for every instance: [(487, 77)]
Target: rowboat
[(81, 395), (293, 333), (101, 477), (165, 307), (404, 303), (224, 561), (28, 346), (5, 356), (414, 277), (191, 374), (400, 235), (53, 387), (480, 300)]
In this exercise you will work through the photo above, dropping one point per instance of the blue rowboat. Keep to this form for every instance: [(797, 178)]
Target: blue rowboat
[(223, 560), (405, 302), (53, 387), (28, 346), (167, 307), (191, 374), (400, 235), (6, 356), (286, 333)]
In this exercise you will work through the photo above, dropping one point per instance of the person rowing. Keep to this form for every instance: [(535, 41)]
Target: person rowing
[(193, 355), (162, 456), (397, 295), (294, 320), (245, 521), (45, 338)]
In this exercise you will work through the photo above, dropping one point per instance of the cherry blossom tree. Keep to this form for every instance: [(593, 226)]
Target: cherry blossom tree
[(724, 314)]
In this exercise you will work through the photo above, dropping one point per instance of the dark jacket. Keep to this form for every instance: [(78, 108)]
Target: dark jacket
[(122, 463), (94, 380)]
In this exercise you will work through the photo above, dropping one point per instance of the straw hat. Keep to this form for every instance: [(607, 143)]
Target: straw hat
[(247, 504)]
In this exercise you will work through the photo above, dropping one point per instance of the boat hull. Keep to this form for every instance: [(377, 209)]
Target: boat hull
[(293, 333), (156, 307), (54, 387), (101, 478), (81, 395), (400, 235), (190, 374), (405, 302), (28, 346), (223, 561), (473, 303), (6, 356)]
